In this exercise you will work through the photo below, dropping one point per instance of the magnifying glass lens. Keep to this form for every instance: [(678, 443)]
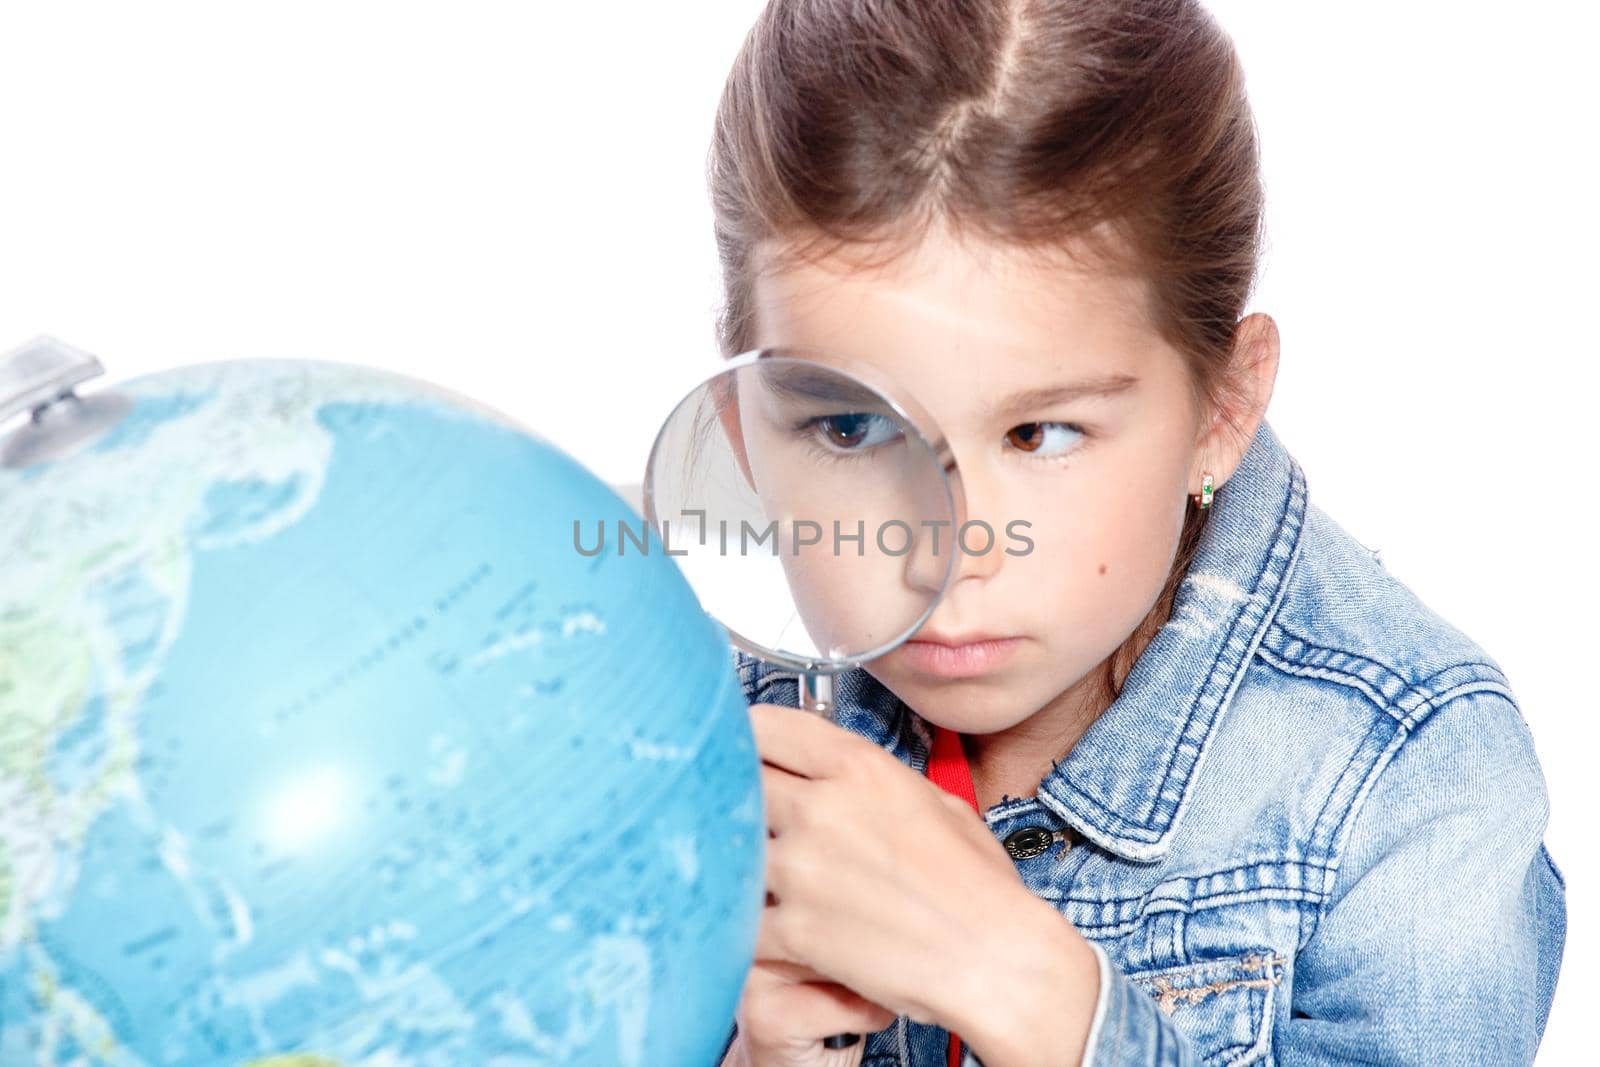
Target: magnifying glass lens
[(814, 510)]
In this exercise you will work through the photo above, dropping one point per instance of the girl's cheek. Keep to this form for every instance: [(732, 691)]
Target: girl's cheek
[(1118, 541)]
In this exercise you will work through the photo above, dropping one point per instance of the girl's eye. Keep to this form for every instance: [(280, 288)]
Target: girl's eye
[(854, 432), (1043, 439)]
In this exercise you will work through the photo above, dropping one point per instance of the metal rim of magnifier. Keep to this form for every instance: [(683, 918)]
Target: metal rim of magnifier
[(913, 415)]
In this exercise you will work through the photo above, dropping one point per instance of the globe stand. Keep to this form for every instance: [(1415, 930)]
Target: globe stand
[(39, 376)]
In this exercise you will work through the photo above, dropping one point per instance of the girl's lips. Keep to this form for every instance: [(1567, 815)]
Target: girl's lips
[(959, 661)]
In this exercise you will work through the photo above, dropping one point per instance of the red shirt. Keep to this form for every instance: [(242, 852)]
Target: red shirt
[(947, 769)]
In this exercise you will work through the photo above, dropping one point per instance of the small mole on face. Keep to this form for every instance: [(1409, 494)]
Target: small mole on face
[(1102, 568)]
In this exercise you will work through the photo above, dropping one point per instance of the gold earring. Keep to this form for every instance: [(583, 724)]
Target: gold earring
[(1206, 491)]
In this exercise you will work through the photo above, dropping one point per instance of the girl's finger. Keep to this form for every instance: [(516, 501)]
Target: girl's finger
[(807, 745), (776, 1012), (779, 941), (774, 944), (779, 792), (789, 972)]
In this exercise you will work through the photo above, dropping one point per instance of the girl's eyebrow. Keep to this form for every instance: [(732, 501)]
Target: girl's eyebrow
[(802, 383), (1104, 386)]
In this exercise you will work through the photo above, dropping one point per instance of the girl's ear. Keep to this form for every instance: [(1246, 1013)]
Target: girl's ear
[(1252, 373), (728, 415)]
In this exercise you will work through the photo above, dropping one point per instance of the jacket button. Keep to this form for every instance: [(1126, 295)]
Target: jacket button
[(1031, 841)]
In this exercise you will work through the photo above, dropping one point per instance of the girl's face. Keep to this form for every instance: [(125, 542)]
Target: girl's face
[(1063, 409)]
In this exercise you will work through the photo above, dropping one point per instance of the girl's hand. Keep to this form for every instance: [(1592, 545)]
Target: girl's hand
[(877, 880), (785, 1012)]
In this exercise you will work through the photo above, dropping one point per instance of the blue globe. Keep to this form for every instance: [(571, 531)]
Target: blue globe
[(321, 743)]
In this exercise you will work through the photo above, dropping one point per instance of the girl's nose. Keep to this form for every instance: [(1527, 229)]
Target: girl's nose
[(928, 562), (973, 538)]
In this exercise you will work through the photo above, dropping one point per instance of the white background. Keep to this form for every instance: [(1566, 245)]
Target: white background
[(509, 199)]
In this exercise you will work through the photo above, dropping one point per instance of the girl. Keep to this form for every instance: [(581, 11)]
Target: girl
[(1195, 781)]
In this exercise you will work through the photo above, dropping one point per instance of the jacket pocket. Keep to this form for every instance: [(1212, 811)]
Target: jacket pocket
[(1223, 1006)]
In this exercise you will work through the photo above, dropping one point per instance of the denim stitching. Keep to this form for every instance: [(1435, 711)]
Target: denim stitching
[(1295, 663), (1110, 930), (1443, 700), (1330, 869), (1119, 916), (1326, 674), (1499, 675), (1347, 823), (1316, 866), (1258, 607), (1169, 997), (1296, 648)]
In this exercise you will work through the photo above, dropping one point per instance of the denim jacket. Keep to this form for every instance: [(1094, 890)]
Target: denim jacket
[(1308, 831)]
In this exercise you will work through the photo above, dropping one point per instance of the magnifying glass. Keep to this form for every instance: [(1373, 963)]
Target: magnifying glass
[(815, 506)]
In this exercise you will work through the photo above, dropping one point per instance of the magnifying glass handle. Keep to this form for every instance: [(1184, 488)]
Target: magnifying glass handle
[(816, 695)]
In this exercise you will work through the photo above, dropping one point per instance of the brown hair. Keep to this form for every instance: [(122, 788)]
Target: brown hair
[(1117, 127)]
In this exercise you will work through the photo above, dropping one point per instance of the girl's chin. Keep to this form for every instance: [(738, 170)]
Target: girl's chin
[(938, 697)]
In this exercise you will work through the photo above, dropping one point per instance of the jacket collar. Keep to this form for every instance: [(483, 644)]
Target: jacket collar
[(1126, 782)]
